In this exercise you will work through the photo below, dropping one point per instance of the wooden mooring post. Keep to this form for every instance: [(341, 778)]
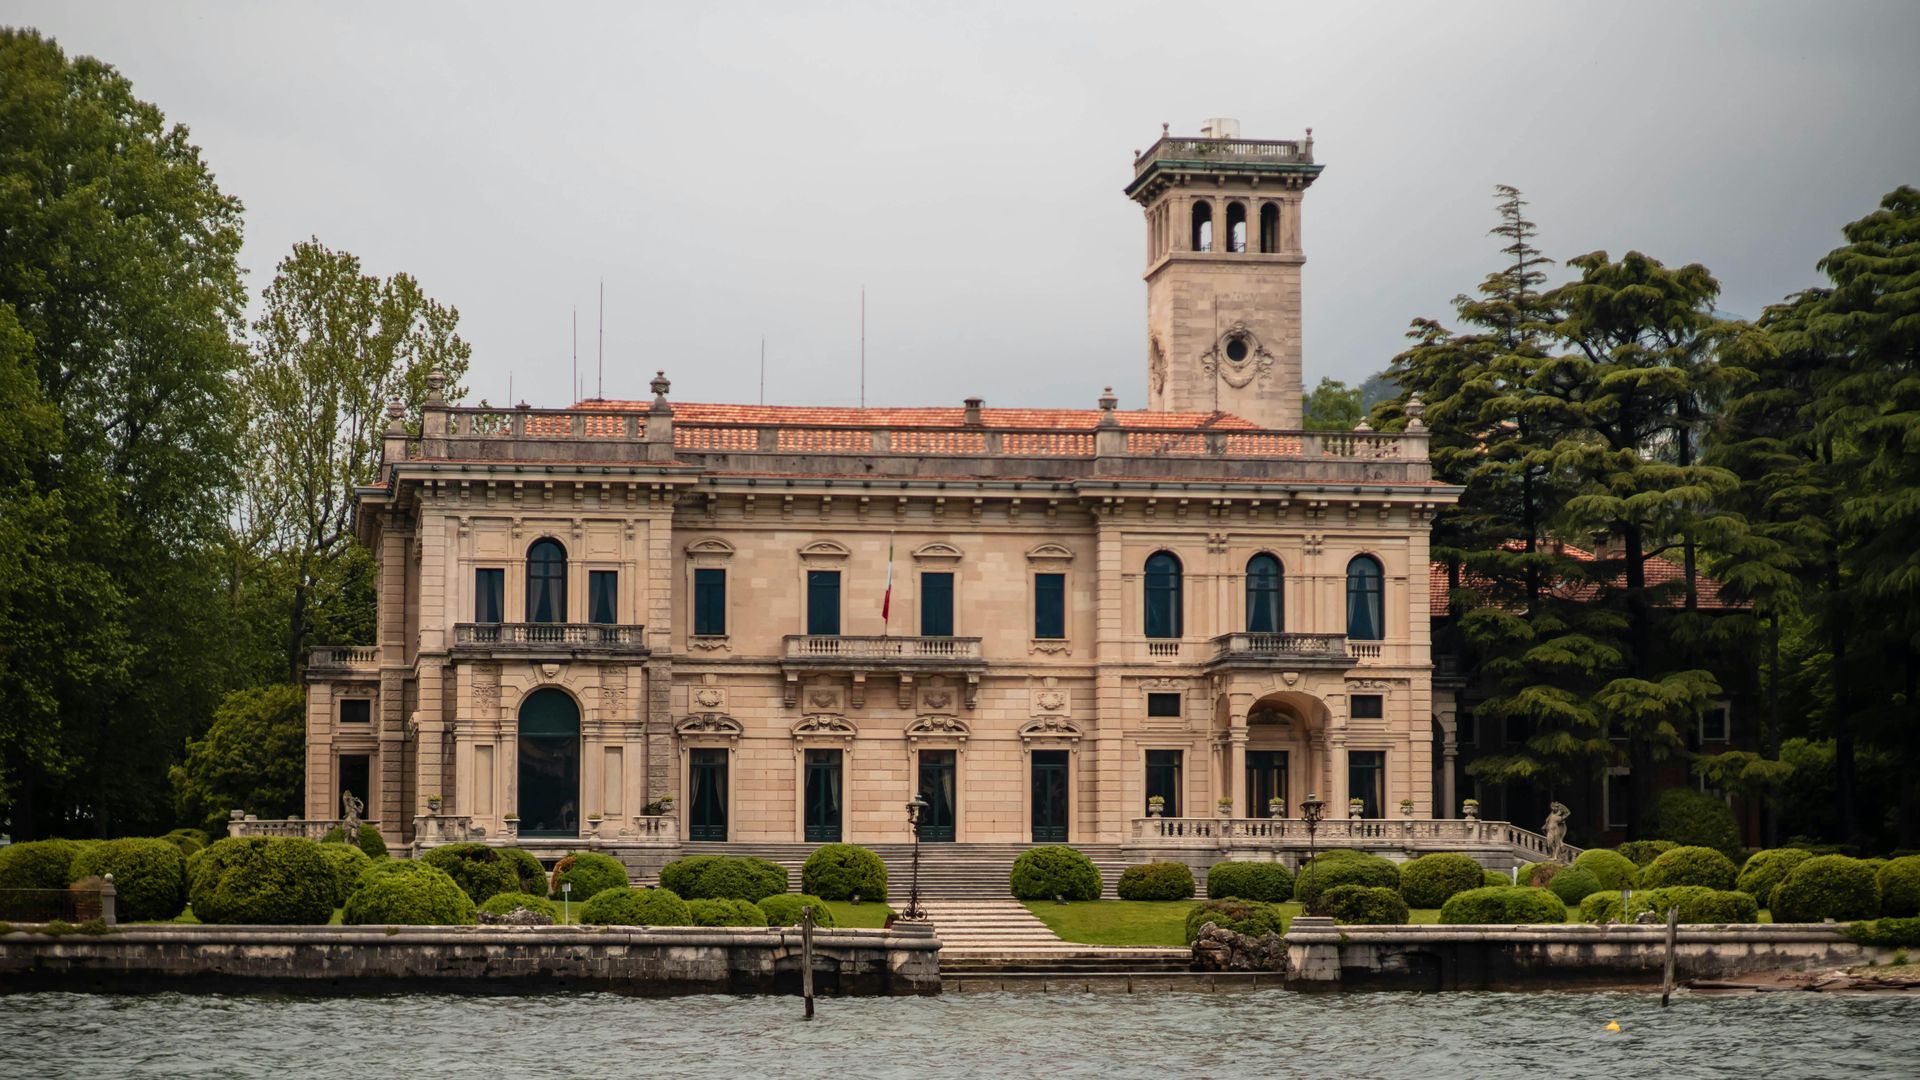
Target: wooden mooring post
[(806, 957), (1673, 929)]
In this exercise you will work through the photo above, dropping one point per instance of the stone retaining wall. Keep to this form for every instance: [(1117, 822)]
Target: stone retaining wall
[(360, 959)]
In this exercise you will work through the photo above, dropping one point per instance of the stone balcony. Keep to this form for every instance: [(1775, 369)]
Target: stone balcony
[(1290, 651), (536, 640), (906, 658), (333, 661)]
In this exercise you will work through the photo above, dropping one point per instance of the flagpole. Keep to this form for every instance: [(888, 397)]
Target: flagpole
[(886, 598)]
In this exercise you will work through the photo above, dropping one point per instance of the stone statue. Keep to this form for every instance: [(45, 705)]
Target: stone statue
[(353, 806), (1556, 831)]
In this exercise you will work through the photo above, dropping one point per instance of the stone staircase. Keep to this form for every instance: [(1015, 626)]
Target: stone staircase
[(947, 871)]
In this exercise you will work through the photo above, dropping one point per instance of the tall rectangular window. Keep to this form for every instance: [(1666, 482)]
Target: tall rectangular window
[(709, 602), (1367, 779), (356, 778), (823, 601), (603, 596), (1163, 704), (489, 595), (1163, 780), (1368, 707), (357, 710), (936, 605), (1050, 605)]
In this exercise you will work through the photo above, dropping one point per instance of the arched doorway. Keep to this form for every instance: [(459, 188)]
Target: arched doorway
[(549, 764), (1283, 755)]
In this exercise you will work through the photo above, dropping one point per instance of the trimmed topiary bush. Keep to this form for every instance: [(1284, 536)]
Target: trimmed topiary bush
[(149, 876), (724, 877), (843, 871), (506, 903), (1900, 887), (1240, 916), (479, 870), (37, 864), (624, 905), (1043, 873), (1497, 879), (188, 840), (1363, 905), (1268, 882), (1339, 867), (1601, 907), (725, 913), (1503, 904), (1573, 885), (1887, 933), (1643, 852), (532, 875), (1765, 869), (1156, 881), (1696, 904), (346, 863), (1612, 869), (258, 879), (783, 909), (1691, 818), (368, 840), (1539, 874), (1427, 881), (1690, 866), (410, 893), (590, 873), (1826, 887)]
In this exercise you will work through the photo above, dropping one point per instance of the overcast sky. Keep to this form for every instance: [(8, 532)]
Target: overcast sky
[(732, 170)]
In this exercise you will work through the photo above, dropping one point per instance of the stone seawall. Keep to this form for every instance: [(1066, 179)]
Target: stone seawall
[(366, 959)]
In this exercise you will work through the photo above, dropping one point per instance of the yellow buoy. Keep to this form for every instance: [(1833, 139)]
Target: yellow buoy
[(1613, 1025)]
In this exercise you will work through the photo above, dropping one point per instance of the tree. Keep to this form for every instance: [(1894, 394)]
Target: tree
[(1332, 406), (331, 347), (252, 759)]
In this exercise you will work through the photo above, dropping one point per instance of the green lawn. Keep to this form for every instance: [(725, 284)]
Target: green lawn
[(1156, 922), (866, 915)]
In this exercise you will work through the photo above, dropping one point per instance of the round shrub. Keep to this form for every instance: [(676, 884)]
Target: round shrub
[(1156, 881), (259, 879), (843, 871), (1427, 881), (589, 872), (1826, 887), (724, 877), (1698, 905), (149, 876), (1765, 869), (1690, 866), (1573, 885), (624, 905), (188, 840), (346, 863), (1900, 887), (533, 876), (783, 909), (1691, 818), (479, 870), (1508, 904), (725, 913), (1643, 852), (1339, 867), (1538, 874), (37, 864), (1612, 869), (1497, 879), (506, 903), (410, 894), (1240, 916), (1601, 907), (368, 840), (1364, 905), (1269, 882), (1043, 873)]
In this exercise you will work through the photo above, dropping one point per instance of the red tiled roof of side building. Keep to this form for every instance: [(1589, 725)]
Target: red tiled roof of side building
[(1659, 572), (938, 417)]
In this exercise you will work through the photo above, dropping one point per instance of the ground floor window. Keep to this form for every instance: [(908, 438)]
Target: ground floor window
[(823, 797), (706, 794), (356, 777), (937, 788), (1163, 780), (1367, 780)]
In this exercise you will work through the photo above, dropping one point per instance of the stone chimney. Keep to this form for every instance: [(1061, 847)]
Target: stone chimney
[(660, 420), (973, 411)]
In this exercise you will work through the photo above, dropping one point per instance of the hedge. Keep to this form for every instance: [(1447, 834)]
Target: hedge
[(188, 840), (1612, 869), (783, 909), (590, 873), (1643, 852), (843, 871), (1343, 867), (479, 870), (724, 877), (1044, 873), (369, 840), (1156, 881), (1690, 866), (1364, 905), (506, 903), (409, 894), (1240, 916), (725, 913), (38, 864), (259, 879), (1696, 904), (1826, 887), (1691, 818), (1496, 879), (1509, 904), (149, 876), (1900, 887), (1888, 933), (346, 863), (1765, 869), (624, 905), (1269, 882), (1427, 881), (1602, 907), (1573, 885)]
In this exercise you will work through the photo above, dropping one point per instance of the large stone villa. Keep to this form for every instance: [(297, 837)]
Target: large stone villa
[(647, 624)]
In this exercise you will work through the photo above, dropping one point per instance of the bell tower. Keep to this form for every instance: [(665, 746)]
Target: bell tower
[(1223, 271)]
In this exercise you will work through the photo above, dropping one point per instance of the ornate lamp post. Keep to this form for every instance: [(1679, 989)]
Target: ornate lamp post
[(914, 809), (1312, 809)]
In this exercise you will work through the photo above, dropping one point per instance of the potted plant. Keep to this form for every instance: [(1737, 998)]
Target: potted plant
[(1470, 809), (1276, 807), (659, 807), (1226, 807), (1156, 805), (433, 803), (1406, 807), (1356, 807), (594, 818), (512, 824)]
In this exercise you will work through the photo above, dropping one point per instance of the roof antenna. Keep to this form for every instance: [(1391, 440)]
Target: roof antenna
[(600, 362), (763, 369), (863, 346), (576, 353)]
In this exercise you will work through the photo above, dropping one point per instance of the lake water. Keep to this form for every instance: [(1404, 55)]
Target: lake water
[(1244, 1035)]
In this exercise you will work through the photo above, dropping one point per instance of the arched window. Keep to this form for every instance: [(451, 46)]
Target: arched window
[(1202, 226), (549, 774), (1366, 607), (1163, 595), (546, 582), (1269, 228), (1236, 226), (1263, 595)]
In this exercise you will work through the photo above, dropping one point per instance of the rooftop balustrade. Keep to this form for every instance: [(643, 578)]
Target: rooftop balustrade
[(1203, 151)]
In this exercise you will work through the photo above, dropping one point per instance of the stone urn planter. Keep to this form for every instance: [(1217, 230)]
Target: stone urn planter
[(1356, 807), (593, 825), (1156, 806), (1406, 807), (433, 804), (1470, 809), (511, 826)]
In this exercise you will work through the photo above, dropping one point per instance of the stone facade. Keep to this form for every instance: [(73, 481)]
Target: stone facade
[(737, 660)]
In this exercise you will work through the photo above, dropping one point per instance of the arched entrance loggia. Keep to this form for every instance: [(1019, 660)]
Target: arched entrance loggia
[(1277, 749), (549, 787)]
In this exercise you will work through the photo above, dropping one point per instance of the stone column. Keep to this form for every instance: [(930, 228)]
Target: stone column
[(1449, 752), (1237, 765)]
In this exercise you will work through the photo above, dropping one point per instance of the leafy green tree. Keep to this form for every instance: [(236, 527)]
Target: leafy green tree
[(252, 759), (1332, 406)]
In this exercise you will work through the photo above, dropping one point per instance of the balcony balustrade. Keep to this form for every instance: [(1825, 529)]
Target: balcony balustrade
[(550, 639), (863, 655), (1432, 833), (339, 659), (1249, 650)]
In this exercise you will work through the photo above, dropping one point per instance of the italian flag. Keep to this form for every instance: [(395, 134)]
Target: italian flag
[(886, 598)]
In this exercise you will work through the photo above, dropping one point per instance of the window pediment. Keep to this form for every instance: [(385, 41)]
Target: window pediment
[(822, 550), (937, 552), (712, 548), (1050, 553)]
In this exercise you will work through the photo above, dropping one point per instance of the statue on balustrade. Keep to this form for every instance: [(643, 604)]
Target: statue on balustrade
[(1556, 832), (352, 805)]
